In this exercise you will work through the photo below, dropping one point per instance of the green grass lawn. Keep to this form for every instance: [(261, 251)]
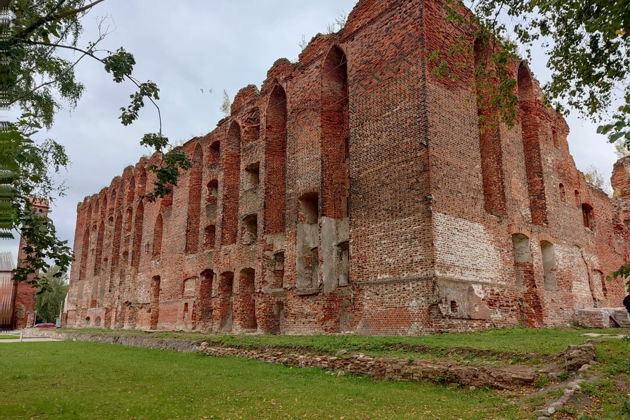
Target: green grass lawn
[(8, 336), (67, 380)]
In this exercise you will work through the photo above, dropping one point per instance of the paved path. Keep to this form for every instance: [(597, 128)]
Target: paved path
[(27, 340)]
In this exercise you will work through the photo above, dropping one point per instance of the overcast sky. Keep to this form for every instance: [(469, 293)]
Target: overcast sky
[(194, 49)]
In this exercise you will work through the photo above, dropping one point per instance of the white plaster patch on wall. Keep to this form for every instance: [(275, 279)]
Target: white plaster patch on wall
[(597, 277), (70, 302), (478, 289), (465, 250), (571, 262)]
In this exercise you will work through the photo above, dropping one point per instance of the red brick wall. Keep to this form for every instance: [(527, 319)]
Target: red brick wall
[(23, 304), (473, 244), (414, 205)]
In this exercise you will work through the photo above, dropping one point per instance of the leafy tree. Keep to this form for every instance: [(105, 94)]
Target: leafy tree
[(38, 79), (7, 177), (587, 44), (49, 300), (621, 150), (623, 272)]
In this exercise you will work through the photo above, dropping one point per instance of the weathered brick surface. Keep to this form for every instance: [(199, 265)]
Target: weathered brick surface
[(356, 191), (23, 305)]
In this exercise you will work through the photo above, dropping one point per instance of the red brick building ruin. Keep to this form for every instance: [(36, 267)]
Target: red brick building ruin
[(17, 300), (357, 191)]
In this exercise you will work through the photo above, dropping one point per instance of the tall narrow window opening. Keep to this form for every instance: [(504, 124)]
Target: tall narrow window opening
[(278, 270), (103, 214), (116, 240), (127, 235), (531, 147), (309, 208), (335, 131), (214, 152), (246, 308), (530, 308), (194, 201), (85, 252), (252, 176), (231, 185), (138, 226), (549, 265), (275, 161), (209, 237), (226, 283), (142, 182), (98, 258), (205, 297), (489, 137), (250, 229), (157, 237), (131, 190), (588, 216), (308, 243), (343, 262), (155, 302), (213, 191)]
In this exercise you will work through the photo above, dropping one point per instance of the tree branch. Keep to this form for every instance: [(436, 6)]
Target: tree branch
[(49, 53), (77, 11), (48, 83), (89, 53), (51, 18), (39, 22), (73, 65)]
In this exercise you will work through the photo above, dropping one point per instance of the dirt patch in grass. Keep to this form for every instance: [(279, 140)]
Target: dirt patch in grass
[(622, 382), (579, 402)]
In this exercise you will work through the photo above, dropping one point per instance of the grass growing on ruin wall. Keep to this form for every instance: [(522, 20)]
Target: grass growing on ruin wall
[(61, 380), (514, 340)]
